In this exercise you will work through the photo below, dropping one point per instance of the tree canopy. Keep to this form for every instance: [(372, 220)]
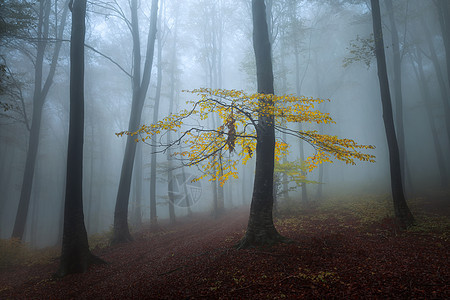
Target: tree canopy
[(238, 131)]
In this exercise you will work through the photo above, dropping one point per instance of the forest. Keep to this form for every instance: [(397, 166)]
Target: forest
[(223, 149)]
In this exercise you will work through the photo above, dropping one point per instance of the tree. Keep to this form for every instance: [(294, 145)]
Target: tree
[(241, 132), (264, 113), (260, 228), (153, 213), (75, 254), (397, 62), (140, 88), (41, 89), (402, 212), (425, 93), (443, 8)]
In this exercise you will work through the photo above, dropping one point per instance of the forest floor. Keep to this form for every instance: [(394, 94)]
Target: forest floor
[(343, 249)]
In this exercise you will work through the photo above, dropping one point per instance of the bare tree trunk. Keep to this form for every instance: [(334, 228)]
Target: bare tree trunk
[(138, 178), (397, 90), (75, 254), (402, 212), (121, 231), (439, 74), (39, 96), (172, 98), (444, 20), (440, 160), (153, 212)]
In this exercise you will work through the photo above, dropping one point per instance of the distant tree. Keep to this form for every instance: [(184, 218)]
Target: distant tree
[(443, 8), (401, 209), (75, 254), (16, 18), (42, 86), (398, 95), (140, 82), (427, 99)]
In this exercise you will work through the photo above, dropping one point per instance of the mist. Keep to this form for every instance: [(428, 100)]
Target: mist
[(319, 49)]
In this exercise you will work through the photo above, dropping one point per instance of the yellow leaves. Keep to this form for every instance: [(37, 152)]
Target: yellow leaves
[(239, 114)]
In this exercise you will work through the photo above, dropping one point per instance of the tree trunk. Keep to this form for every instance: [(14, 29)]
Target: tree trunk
[(402, 212), (444, 21), (153, 212), (397, 90), (172, 100), (425, 93), (440, 78), (75, 254), (138, 178), (39, 96), (121, 231), (260, 229), (298, 92)]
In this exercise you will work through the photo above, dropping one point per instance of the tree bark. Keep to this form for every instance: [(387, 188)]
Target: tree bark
[(121, 231), (260, 229), (75, 254), (402, 212)]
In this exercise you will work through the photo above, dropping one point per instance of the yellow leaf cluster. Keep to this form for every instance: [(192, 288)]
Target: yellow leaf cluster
[(239, 114)]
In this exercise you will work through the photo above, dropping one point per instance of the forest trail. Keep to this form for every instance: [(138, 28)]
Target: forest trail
[(336, 254)]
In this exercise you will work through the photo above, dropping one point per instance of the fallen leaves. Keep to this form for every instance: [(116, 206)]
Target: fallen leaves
[(336, 255)]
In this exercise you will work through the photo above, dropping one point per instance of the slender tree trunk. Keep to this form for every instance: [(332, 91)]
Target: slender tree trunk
[(39, 96), (138, 178), (402, 212), (425, 93), (153, 212), (121, 231), (188, 204), (302, 151), (172, 98), (444, 20), (75, 254), (440, 78), (397, 90), (260, 228)]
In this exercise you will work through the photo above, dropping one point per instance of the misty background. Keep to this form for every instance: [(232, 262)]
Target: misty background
[(208, 43)]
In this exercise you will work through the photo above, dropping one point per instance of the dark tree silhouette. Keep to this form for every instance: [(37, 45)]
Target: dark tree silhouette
[(260, 228), (75, 254), (402, 212), (140, 88)]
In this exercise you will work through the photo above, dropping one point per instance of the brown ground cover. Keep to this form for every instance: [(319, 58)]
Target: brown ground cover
[(339, 252)]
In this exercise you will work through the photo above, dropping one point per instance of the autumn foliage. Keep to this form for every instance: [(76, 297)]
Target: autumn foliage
[(237, 133)]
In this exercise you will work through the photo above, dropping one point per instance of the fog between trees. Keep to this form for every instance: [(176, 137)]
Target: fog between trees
[(209, 44)]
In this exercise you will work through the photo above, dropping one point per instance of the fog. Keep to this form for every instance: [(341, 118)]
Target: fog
[(209, 44)]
